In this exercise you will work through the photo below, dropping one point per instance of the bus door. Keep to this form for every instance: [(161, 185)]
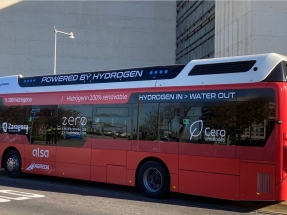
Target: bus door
[(43, 121), (40, 156)]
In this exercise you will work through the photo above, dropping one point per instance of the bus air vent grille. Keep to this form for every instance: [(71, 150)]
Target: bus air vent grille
[(263, 182), (221, 68)]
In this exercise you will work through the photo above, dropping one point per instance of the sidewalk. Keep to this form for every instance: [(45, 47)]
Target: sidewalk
[(277, 208)]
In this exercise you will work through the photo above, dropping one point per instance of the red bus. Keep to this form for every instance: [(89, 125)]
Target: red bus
[(214, 127)]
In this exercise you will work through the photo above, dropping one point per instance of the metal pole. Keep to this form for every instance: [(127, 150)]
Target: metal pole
[(71, 36), (31, 131), (55, 55)]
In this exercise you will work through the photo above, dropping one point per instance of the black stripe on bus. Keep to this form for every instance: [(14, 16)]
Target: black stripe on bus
[(111, 76), (221, 68)]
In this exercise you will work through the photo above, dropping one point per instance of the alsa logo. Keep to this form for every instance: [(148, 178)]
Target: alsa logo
[(39, 166), (40, 153)]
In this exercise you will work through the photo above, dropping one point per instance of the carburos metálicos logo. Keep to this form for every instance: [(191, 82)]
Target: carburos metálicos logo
[(34, 166)]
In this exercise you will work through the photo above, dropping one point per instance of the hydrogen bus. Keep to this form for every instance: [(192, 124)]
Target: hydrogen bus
[(214, 127)]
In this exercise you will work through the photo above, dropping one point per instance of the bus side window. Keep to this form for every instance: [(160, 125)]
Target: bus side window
[(208, 123), (254, 123)]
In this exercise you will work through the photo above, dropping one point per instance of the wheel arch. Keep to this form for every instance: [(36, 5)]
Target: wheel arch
[(143, 161), (10, 148)]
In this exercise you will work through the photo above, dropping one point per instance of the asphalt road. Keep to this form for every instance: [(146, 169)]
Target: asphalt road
[(49, 195)]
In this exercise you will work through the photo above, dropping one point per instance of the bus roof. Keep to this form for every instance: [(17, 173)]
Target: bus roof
[(269, 67)]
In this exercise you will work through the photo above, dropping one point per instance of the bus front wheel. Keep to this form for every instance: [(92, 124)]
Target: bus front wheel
[(13, 164), (153, 180)]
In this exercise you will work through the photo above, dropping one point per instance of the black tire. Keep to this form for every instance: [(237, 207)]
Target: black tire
[(13, 164), (153, 180)]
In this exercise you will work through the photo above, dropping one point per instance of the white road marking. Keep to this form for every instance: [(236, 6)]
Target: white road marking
[(17, 198), (21, 195)]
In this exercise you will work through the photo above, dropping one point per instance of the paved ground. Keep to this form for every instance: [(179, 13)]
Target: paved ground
[(49, 195)]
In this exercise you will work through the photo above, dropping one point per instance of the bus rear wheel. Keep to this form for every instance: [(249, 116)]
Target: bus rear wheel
[(13, 164), (153, 180)]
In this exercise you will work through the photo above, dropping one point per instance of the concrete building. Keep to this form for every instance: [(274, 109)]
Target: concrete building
[(126, 34), (208, 28), (250, 27), (108, 35), (195, 31)]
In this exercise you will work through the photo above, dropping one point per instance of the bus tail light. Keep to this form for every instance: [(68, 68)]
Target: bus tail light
[(285, 152), (285, 158)]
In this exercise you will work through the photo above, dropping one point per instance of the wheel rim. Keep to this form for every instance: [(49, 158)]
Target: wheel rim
[(12, 164), (152, 180)]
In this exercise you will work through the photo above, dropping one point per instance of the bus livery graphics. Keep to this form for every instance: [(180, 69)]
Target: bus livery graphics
[(8, 128), (40, 153), (194, 131), (209, 134), (214, 127)]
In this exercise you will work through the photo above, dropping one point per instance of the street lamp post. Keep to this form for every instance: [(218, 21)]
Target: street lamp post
[(71, 36)]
